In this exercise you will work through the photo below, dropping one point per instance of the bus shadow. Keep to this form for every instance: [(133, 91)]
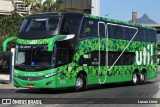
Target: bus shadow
[(90, 88)]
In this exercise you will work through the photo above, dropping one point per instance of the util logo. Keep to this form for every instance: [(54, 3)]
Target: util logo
[(145, 57)]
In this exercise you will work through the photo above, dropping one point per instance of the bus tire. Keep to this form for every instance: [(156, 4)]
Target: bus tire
[(81, 84), (142, 78), (134, 78)]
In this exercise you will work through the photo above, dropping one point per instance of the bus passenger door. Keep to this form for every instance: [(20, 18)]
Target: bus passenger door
[(103, 52)]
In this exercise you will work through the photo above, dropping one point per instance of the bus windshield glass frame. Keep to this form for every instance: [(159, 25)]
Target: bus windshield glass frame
[(34, 58), (33, 24)]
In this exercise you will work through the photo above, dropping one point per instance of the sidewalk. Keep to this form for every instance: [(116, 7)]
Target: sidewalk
[(4, 76), (7, 86)]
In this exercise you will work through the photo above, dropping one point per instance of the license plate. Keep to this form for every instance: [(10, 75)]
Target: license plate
[(30, 85)]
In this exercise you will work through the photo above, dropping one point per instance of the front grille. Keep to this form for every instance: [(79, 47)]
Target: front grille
[(30, 78)]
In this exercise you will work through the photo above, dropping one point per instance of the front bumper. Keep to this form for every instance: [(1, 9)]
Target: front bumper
[(44, 83), (35, 79)]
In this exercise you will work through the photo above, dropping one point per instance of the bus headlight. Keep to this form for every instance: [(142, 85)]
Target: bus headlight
[(51, 74)]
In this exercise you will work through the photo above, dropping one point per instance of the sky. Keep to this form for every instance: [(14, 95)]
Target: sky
[(122, 9)]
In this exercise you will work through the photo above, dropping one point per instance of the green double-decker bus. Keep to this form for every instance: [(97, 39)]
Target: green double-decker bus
[(55, 50)]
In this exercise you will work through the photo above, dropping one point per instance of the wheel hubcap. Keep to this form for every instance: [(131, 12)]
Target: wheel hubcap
[(134, 78), (79, 83), (142, 77)]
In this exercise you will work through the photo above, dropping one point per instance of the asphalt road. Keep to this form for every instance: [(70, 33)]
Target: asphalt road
[(112, 93)]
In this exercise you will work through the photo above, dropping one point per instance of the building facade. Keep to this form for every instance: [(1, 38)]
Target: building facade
[(82, 6), (8, 6)]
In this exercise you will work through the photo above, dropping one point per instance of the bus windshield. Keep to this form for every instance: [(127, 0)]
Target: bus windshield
[(40, 24), (33, 58)]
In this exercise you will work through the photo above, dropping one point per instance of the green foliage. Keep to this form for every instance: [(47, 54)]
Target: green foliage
[(29, 2), (9, 26), (46, 6)]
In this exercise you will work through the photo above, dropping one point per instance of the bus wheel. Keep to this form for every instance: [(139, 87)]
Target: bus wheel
[(80, 83), (142, 78), (134, 78)]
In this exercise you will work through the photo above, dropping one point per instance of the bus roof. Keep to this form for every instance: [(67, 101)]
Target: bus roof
[(117, 21), (54, 13), (91, 16)]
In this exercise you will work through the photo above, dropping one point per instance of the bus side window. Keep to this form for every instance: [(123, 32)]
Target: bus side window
[(129, 33), (129, 56), (89, 28), (110, 31), (102, 30), (94, 33), (109, 59), (150, 36), (154, 36), (112, 57), (103, 58), (119, 32), (141, 35)]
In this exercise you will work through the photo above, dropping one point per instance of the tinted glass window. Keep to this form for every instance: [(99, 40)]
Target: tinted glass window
[(147, 35), (158, 38), (115, 31), (129, 33), (112, 57), (89, 28), (140, 35), (154, 36), (40, 24), (150, 36), (103, 58), (91, 59), (118, 32), (71, 26), (102, 30), (110, 31), (130, 58)]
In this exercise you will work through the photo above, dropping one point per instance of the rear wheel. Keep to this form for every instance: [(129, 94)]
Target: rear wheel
[(142, 78), (80, 83), (134, 78)]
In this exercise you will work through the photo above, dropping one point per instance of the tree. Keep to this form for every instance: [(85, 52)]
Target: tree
[(51, 6), (29, 2), (46, 6), (9, 26)]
